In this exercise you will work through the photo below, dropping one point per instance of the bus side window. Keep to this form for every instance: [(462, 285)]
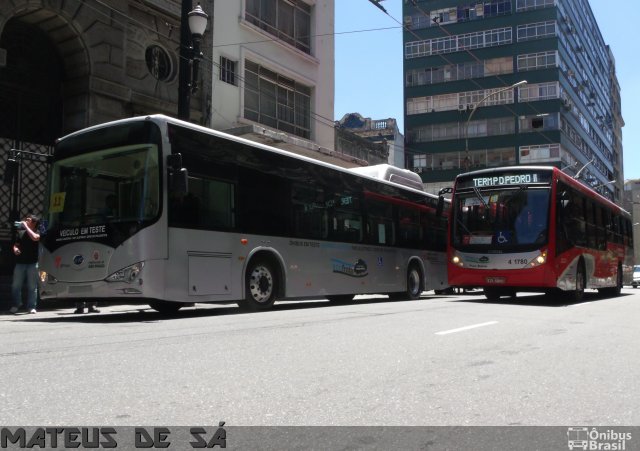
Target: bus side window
[(345, 223), (380, 226)]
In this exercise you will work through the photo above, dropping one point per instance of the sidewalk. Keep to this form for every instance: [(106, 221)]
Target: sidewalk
[(58, 309)]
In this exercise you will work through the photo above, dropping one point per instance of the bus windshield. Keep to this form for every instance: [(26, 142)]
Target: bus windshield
[(114, 185), (507, 218)]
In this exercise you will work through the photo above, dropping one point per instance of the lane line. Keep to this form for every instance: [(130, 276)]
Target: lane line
[(460, 329)]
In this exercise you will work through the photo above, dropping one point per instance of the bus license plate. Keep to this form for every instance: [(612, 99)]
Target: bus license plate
[(496, 280)]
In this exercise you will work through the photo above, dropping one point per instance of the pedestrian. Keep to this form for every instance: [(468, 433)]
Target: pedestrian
[(26, 268), (80, 306)]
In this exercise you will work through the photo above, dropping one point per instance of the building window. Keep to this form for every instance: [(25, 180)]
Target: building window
[(534, 61), (540, 91), (276, 101), (159, 63), (460, 130), (456, 43), (228, 70), (539, 122), (504, 156), (539, 153), (462, 71), (525, 5), (538, 30), (458, 101), (289, 20)]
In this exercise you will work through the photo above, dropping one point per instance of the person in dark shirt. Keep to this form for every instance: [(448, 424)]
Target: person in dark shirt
[(26, 269)]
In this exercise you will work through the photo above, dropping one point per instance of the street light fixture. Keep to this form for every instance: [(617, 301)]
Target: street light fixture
[(475, 107), (190, 54)]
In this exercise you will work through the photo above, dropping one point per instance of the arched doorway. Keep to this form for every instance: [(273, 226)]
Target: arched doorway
[(31, 118), (30, 85)]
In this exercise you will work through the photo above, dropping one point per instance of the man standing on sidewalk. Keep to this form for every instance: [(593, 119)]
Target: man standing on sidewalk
[(26, 269)]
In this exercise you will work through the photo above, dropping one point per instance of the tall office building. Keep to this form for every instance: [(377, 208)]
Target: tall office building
[(465, 105)]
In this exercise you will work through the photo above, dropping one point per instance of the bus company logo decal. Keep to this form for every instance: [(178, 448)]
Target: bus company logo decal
[(357, 269), (594, 439), (79, 262)]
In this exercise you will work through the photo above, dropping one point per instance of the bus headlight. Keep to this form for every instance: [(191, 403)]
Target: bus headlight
[(539, 260), (457, 261), (128, 274), (47, 278)]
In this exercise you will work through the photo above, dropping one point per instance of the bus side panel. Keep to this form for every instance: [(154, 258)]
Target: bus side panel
[(435, 271)]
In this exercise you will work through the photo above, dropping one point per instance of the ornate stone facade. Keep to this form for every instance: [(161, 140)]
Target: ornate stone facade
[(69, 64)]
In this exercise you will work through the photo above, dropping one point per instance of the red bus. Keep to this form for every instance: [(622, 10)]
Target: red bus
[(531, 228)]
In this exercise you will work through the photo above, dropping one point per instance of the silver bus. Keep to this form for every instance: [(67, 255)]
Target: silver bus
[(168, 213)]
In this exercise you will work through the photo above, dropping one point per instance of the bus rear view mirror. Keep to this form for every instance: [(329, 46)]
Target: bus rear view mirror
[(178, 176), (440, 206)]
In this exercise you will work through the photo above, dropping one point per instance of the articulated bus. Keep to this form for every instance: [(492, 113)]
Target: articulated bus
[(528, 228), (167, 212)]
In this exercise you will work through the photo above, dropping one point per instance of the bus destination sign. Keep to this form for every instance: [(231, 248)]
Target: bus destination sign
[(505, 179)]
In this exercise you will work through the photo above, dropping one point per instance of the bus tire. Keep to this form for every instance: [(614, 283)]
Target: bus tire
[(340, 298), (165, 307), (260, 285), (414, 285), (577, 295), (614, 291), (492, 294)]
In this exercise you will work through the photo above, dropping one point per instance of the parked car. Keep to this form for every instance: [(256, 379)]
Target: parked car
[(636, 276)]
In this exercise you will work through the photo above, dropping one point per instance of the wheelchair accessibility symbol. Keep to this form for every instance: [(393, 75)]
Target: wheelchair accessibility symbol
[(503, 237)]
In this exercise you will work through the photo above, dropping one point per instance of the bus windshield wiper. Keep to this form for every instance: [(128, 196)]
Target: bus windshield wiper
[(479, 196)]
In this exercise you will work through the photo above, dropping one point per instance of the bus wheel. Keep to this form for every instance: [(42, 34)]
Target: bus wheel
[(414, 283), (414, 286), (165, 307), (577, 295), (260, 286), (340, 298), (614, 291), (492, 294)]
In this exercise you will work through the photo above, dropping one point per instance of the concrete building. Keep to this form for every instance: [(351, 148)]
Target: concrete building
[(631, 203), (378, 131), (460, 57), (267, 75), (273, 74)]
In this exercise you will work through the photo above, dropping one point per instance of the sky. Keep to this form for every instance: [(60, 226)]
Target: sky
[(368, 63)]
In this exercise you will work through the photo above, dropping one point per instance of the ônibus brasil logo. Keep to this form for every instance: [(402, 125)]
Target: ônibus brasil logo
[(594, 439)]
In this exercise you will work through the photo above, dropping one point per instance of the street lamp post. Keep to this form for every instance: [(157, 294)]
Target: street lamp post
[(475, 107), (190, 55)]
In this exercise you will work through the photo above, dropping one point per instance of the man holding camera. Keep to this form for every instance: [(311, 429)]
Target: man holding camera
[(26, 269)]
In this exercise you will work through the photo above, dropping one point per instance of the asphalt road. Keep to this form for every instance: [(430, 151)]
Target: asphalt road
[(442, 360)]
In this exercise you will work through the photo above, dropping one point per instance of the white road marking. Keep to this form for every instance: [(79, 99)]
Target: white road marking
[(460, 329)]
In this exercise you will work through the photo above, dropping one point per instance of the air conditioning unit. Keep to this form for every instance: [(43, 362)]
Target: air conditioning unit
[(462, 107), (418, 170), (470, 106)]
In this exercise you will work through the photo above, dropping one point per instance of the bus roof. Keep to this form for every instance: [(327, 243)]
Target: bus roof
[(392, 174), (161, 118)]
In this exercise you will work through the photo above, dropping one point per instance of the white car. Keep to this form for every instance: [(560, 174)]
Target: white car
[(636, 276)]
